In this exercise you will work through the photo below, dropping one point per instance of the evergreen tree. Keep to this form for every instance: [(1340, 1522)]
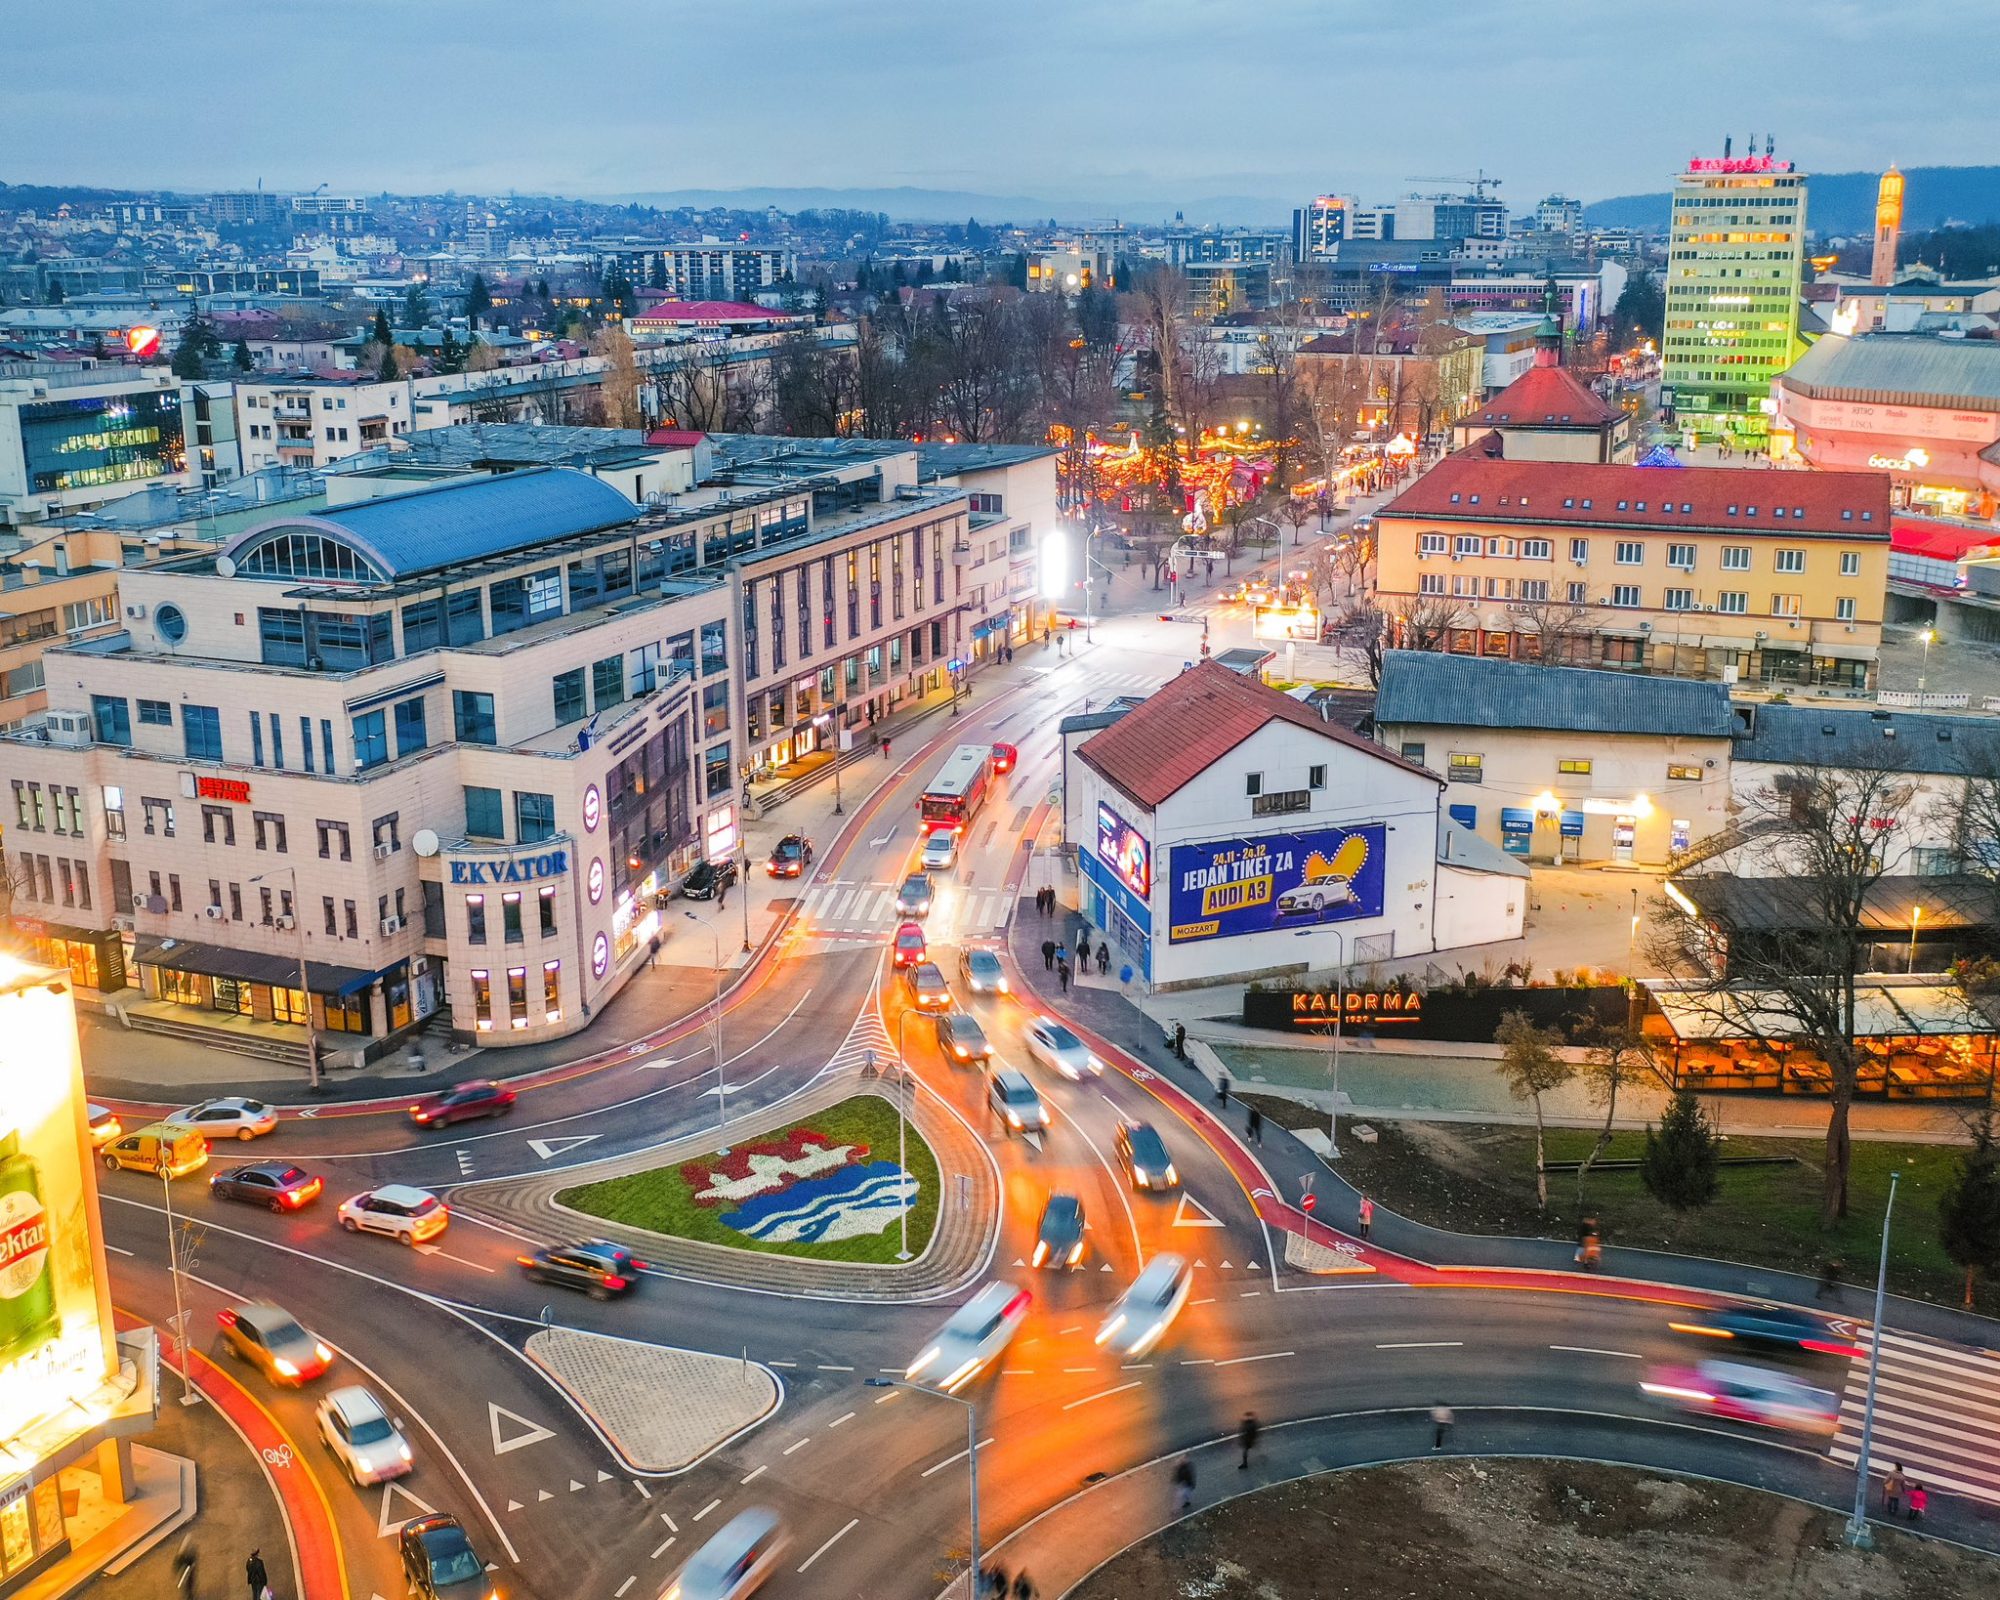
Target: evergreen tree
[(383, 335), (388, 373), (657, 278), (57, 293), (1678, 1165), (478, 301), (199, 346), (1641, 312), (450, 356), (1969, 1209), (416, 307), (241, 358)]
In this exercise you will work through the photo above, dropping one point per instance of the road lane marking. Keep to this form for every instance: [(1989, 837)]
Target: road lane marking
[(1208, 1301), (754, 1474), (824, 1367), (1104, 1394), (1137, 1366), (644, 1492), (781, 1363), (1268, 1355), (837, 1421), (1425, 1344), (1202, 1217), (116, 1251), (1017, 1372), (1072, 1370), (1592, 1350), (547, 1148), (822, 1550), (1249, 1294), (388, 1522), (619, 1592), (672, 1526), (704, 1511), (535, 1433), (1199, 1361), (664, 1548), (884, 1399), (475, 1265), (948, 1460), (1073, 1328), (799, 1445)]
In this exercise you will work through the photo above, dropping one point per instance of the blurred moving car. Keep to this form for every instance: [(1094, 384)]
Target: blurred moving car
[(1744, 1393), (597, 1266), (464, 1102), (276, 1185), (1770, 1327), (1050, 1043), (790, 856), (1005, 758), (736, 1561), (353, 1425), (271, 1339), (439, 1562), (927, 987), (1059, 1235), (982, 971), (977, 1332), (1143, 1155), (165, 1148), (940, 851), (231, 1117), (104, 1126), (1146, 1310), (408, 1214), (707, 880), (1015, 1101), (910, 946), (913, 899), (960, 1037)]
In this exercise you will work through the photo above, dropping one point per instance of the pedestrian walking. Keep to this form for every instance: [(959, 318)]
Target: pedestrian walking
[(1180, 1040), (1062, 954), (1253, 1125), (995, 1582), (1063, 975), (1183, 1484), (654, 946), (1048, 955), (1024, 1587), (1893, 1488), (1829, 1279), (1919, 1502), (1246, 1436), (260, 1580), (721, 893), (885, 747), (1441, 1420), (1222, 1089), (184, 1567), (1103, 958), (1367, 1216)]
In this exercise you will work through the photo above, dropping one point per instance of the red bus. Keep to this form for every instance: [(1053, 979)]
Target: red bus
[(959, 789)]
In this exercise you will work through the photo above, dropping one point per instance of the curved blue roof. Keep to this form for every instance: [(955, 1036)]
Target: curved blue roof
[(406, 534)]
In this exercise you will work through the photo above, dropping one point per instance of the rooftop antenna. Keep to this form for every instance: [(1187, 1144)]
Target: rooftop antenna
[(1727, 144)]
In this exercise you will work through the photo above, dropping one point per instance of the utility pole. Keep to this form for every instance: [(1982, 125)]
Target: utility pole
[(1858, 1534)]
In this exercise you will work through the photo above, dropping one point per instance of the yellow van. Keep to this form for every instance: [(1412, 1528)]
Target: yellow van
[(171, 1148)]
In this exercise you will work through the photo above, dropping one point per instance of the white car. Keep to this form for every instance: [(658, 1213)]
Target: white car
[(1050, 1043), (940, 851), (353, 1425), (398, 1210), (736, 1561), (1147, 1309), (1316, 894), (977, 1332), (231, 1117)]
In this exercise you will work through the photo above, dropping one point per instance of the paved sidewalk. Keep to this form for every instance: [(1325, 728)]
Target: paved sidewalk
[(660, 1408)]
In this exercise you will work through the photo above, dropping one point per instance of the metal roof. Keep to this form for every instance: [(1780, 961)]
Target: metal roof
[(1913, 368), (1420, 687), (1875, 741)]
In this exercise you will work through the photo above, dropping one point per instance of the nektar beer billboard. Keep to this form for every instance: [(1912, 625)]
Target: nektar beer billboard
[(1229, 887)]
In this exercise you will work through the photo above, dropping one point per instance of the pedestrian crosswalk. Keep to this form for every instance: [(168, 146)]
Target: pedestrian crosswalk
[(848, 909), (1937, 1414)]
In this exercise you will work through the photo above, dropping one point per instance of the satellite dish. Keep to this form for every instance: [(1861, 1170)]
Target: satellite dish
[(225, 566), (424, 841)]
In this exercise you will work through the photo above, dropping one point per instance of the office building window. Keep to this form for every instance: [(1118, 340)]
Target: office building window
[(1680, 599), (1576, 593), (1850, 563), (607, 682), (714, 648), (1784, 605), (332, 838), (201, 733), (387, 832), (156, 714), (552, 990), (327, 912), (715, 767), (411, 734), (1736, 558), (1579, 551), (1413, 752), (1790, 561), (1843, 609), (111, 719), (218, 825), (482, 1001), (1625, 594), (350, 915), (1630, 553), (534, 816), (1681, 556), (547, 900), (475, 918), (569, 695), (371, 740), (484, 818), (114, 811), (1733, 602), (472, 717), (510, 916), (517, 997)]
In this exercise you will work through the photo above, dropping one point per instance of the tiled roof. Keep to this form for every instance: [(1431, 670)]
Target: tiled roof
[(1546, 397), (1469, 487), (710, 311), (1889, 741), (1914, 368), (676, 438), (1424, 687), (1941, 541), (1195, 720)]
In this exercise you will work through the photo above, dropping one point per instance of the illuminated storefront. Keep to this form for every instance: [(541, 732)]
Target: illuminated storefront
[(88, 443)]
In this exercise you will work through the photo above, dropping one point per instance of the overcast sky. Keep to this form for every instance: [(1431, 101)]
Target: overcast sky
[(1072, 100)]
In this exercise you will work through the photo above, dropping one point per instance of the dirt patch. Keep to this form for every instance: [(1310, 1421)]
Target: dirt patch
[(1519, 1529)]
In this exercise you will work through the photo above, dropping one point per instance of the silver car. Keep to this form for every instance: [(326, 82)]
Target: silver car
[(736, 1561), (231, 1117), (1050, 1043), (977, 1332), (353, 1425)]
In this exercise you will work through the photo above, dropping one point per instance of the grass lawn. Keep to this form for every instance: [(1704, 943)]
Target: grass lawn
[(660, 1199), (1480, 1178)]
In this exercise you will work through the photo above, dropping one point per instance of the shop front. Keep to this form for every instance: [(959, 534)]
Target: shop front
[(262, 988), (94, 958)]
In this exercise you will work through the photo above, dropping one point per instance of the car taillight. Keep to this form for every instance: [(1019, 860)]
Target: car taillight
[(1702, 1329), (639, 1266), (226, 1318), (1827, 1347), (524, 1261), (1076, 1252), (613, 1281)]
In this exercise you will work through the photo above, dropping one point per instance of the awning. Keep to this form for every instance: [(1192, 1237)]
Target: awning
[(1513, 819), (1881, 1010), (981, 629), (1624, 633), (1846, 652), (247, 966)]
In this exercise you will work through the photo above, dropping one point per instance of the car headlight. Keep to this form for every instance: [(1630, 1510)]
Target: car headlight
[(1111, 1327), (1139, 1175), (284, 1366), (1093, 1063), (1173, 1176), (1076, 1252), (404, 1451), (1041, 1251), (924, 1361), (322, 1352), (1014, 1117)]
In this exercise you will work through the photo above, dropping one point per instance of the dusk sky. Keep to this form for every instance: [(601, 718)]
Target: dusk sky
[(1168, 99)]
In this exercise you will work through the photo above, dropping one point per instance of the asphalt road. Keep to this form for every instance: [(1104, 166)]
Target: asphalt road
[(872, 1483)]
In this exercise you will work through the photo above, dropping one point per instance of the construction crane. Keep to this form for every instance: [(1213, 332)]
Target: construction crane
[(1478, 180)]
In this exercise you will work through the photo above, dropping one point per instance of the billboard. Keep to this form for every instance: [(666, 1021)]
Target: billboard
[(1229, 887), (55, 1324), (1124, 850)]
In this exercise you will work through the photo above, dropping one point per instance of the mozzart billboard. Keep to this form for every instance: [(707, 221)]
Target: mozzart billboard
[(1229, 887)]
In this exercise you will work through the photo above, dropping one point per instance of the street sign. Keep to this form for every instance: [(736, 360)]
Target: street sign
[(1309, 1201)]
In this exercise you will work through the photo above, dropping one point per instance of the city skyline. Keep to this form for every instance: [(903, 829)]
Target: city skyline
[(917, 107)]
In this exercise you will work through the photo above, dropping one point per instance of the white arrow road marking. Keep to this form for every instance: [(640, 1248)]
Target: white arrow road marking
[(1191, 1213), (309, 1111), (661, 1061), (388, 1523), (545, 1148), (535, 1432), (574, 1486), (603, 1476), (543, 1494), (1034, 1139), (515, 1505), (725, 1088)]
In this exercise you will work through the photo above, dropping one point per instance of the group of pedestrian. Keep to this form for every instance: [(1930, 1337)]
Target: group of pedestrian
[(1045, 899), (1904, 1495)]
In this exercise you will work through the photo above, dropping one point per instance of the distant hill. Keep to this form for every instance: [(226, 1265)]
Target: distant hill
[(1844, 202), (955, 205)]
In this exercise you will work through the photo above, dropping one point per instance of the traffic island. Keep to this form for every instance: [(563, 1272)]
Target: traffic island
[(1490, 1530), (661, 1409), (828, 1187)]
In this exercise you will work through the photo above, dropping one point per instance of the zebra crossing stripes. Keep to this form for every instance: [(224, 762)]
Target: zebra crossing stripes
[(840, 907), (1937, 1413)]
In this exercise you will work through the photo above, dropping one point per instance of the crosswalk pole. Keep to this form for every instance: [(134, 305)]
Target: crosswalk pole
[(1857, 1525)]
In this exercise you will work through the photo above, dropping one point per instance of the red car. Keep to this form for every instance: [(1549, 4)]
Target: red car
[(910, 947), (1004, 757), (462, 1103)]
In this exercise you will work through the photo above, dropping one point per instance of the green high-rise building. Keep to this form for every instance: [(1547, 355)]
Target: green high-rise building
[(1735, 265)]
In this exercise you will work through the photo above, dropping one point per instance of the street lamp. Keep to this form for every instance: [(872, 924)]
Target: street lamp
[(715, 1026), (188, 1396), (1339, 1013), (1857, 1525), (305, 994), (903, 1133), (971, 1457), (1924, 669), (1916, 914)]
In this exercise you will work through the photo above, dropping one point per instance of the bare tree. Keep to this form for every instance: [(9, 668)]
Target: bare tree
[(1532, 1068), (1824, 839), (1364, 630), (1617, 1057), (1427, 622), (620, 381), (812, 386), (1559, 626), (1351, 558)]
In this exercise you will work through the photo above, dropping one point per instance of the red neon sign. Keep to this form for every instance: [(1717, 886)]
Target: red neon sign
[(232, 789), (1738, 164)]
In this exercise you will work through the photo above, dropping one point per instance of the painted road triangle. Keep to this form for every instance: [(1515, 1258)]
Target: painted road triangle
[(389, 1522), (1034, 1139), (1191, 1213), (546, 1148), (535, 1433)]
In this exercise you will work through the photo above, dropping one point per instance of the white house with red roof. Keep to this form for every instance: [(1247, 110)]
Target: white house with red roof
[(1548, 414), (1225, 831), (673, 319)]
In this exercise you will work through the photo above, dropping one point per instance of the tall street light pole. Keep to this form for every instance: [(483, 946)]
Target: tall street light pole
[(903, 1131), (971, 1458), (715, 1027), (1339, 1016), (1924, 669), (188, 1396), (1857, 1525), (305, 994)]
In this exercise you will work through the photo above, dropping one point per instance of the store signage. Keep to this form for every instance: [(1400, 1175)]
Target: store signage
[(1738, 164), (511, 869), (600, 956), (1369, 1005), (1907, 462), (594, 880), (234, 790), (1229, 887), (593, 809), (1123, 849)]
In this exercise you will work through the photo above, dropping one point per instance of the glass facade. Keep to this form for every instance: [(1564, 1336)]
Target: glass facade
[(82, 444), (648, 801)]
